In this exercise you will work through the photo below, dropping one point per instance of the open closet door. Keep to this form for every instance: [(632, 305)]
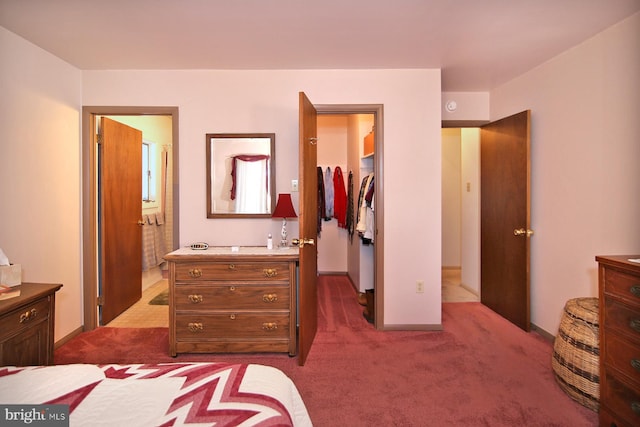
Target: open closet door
[(120, 209), (308, 292), (505, 170)]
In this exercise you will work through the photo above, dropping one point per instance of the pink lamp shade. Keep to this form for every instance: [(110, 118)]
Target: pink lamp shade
[(284, 207)]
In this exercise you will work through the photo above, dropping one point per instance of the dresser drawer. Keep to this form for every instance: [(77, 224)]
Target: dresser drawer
[(22, 318), (623, 355), (196, 327), (240, 271), (621, 399), (622, 318), (622, 285), (231, 297)]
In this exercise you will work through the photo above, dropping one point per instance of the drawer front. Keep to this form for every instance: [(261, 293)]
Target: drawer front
[(622, 318), (229, 326), (623, 355), (22, 318), (231, 297), (622, 400), (607, 419), (212, 271), (624, 285)]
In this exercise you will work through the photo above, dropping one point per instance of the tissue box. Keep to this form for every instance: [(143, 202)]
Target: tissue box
[(10, 275)]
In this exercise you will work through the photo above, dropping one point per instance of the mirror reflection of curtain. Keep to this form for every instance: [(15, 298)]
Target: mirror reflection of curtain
[(250, 187)]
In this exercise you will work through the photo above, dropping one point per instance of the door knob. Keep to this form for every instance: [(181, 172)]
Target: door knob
[(140, 222), (301, 242), (522, 232)]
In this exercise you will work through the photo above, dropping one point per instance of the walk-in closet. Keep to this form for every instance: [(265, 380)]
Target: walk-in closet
[(346, 201)]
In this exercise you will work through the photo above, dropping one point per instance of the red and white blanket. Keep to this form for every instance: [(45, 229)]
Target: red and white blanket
[(169, 394)]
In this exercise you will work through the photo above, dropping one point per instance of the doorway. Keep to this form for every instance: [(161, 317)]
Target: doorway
[(343, 249), (460, 214), (365, 270), (91, 189), (504, 218)]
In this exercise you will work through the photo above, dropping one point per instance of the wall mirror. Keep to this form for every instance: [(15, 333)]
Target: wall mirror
[(240, 175)]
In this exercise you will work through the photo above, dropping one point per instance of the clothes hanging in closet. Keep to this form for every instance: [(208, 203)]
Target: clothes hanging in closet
[(365, 224), (350, 207), (328, 195), (339, 198), (321, 200)]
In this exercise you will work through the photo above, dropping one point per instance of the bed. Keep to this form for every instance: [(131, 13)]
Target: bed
[(165, 394)]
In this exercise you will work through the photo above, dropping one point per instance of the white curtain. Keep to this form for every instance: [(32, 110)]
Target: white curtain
[(251, 186)]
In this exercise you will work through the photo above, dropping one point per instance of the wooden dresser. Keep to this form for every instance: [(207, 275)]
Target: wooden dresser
[(27, 325), (222, 301), (619, 340)]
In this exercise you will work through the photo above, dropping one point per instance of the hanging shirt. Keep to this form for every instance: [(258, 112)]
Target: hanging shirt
[(328, 195), (339, 198), (366, 220), (321, 200), (350, 207)]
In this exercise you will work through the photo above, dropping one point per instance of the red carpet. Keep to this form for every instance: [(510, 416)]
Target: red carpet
[(480, 371)]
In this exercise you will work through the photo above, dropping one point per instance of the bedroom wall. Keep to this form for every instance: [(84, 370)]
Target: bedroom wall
[(267, 101), (40, 171), (585, 176)]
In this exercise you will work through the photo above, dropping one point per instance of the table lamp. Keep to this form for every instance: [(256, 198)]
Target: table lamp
[(284, 209)]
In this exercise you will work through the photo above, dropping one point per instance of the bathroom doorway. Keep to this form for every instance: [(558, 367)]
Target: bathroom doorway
[(91, 191)]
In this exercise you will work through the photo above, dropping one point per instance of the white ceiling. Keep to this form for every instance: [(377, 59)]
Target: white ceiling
[(478, 44)]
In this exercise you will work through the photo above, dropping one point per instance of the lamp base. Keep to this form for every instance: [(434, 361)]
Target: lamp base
[(283, 235)]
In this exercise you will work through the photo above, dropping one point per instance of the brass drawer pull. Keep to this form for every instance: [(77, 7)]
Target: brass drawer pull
[(270, 326), (635, 324), (195, 273), (270, 297), (232, 266), (270, 272), (28, 315), (195, 299), (635, 290), (232, 317), (195, 327), (232, 288), (635, 363)]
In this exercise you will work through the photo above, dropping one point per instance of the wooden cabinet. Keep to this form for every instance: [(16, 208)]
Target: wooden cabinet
[(619, 281), (225, 302), (27, 326)]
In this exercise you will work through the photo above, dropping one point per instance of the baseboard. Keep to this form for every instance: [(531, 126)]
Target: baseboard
[(432, 327), (62, 341), (473, 291), (544, 334)]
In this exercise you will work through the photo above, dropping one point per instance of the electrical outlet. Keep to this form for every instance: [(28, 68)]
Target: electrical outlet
[(419, 287), (294, 185)]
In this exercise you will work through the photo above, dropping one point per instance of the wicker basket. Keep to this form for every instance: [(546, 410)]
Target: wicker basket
[(576, 352)]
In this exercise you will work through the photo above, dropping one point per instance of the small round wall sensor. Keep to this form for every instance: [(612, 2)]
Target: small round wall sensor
[(451, 106)]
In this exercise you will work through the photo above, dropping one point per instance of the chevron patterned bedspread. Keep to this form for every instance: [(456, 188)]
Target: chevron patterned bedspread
[(168, 394)]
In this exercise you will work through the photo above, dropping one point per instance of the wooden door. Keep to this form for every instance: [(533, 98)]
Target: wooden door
[(505, 169), (308, 177), (120, 208)]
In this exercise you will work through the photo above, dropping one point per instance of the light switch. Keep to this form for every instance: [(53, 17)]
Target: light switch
[(468, 187), (294, 185)]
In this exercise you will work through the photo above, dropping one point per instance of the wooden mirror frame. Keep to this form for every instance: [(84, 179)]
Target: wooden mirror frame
[(211, 175)]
